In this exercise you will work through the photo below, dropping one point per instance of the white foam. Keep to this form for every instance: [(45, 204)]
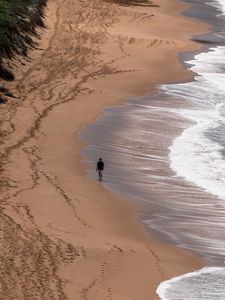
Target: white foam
[(197, 158), (204, 284), (219, 4), (198, 155), (222, 5), (195, 155)]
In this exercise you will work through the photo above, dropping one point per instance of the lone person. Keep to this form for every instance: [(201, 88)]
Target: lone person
[(100, 168)]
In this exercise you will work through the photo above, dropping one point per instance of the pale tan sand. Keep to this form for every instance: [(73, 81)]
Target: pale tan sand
[(62, 235)]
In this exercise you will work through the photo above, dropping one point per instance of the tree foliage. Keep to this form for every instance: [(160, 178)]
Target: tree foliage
[(19, 20)]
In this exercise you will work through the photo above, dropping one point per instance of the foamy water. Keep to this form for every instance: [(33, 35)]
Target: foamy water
[(198, 156), (167, 150), (195, 286)]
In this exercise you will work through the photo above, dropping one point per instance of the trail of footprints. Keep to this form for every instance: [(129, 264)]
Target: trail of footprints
[(31, 259), (31, 262), (68, 200), (101, 277), (156, 42), (157, 262)]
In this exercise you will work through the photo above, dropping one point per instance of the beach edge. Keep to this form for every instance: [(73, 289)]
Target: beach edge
[(114, 257)]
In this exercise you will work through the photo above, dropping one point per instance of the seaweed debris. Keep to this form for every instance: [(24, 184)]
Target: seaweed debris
[(134, 3)]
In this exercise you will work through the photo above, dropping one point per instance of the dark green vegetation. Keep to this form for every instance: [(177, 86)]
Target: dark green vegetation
[(19, 20)]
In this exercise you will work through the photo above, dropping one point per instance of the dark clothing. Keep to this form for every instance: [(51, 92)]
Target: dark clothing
[(100, 165)]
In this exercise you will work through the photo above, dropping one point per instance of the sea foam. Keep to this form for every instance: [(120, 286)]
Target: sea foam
[(198, 153), (195, 286), (198, 156)]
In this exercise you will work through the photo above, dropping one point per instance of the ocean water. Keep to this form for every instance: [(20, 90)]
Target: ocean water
[(198, 153), (167, 151), (195, 286), (198, 156)]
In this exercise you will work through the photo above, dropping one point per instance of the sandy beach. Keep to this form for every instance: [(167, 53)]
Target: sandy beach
[(64, 236)]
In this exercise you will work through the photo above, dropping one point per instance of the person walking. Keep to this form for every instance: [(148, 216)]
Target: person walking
[(100, 168)]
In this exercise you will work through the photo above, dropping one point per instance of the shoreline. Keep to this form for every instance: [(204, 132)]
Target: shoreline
[(112, 255)]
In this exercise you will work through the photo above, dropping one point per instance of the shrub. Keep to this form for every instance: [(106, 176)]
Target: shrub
[(19, 20)]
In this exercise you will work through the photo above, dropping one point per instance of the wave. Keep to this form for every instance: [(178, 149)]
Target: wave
[(198, 153), (198, 156), (195, 286), (134, 139)]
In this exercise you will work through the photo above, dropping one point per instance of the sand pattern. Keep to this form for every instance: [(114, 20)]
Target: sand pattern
[(31, 259), (34, 253)]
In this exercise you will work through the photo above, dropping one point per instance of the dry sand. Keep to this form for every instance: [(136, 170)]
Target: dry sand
[(62, 235)]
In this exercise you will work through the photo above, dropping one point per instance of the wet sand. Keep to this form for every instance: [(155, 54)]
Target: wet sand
[(64, 236)]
